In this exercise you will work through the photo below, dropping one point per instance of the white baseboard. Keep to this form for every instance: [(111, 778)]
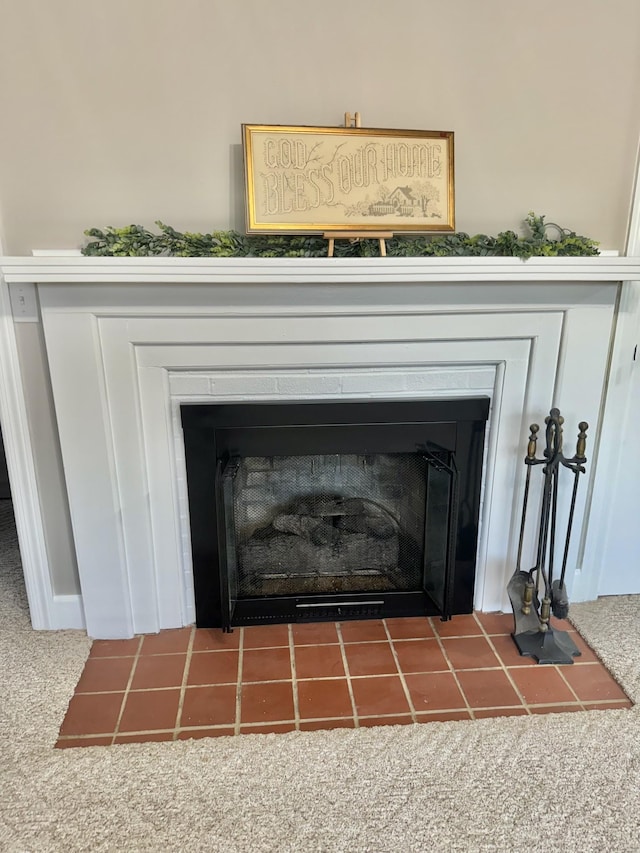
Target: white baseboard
[(66, 611)]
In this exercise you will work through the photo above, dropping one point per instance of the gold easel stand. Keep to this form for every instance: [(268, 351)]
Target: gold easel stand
[(355, 236)]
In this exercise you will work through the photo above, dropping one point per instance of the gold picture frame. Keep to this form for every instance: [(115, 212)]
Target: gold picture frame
[(306, 180)]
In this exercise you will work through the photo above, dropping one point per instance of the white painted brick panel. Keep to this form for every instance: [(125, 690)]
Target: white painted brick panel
[(244, 385), (484, 378), (374, 383), (187, 384), (309, 385)]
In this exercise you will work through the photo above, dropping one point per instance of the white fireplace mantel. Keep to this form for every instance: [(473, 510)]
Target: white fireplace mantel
[(129, 339), (55, 267)]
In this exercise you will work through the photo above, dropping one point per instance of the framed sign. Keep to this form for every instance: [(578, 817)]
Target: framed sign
[(302, 180)]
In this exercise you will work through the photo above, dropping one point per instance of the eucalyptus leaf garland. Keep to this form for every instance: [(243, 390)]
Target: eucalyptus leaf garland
[(134, 240)]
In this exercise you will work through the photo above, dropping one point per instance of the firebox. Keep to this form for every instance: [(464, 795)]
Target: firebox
[(314, 511)]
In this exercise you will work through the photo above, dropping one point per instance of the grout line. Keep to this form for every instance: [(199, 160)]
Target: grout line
[(345, 663), (405, 686), (183, 686), (452, 669), (561, 674), (236, 727), (498, 668), (504, 668), (125, 695), (294, 678)]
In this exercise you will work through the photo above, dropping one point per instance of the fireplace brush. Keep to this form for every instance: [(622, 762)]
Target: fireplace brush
[(533, 632)]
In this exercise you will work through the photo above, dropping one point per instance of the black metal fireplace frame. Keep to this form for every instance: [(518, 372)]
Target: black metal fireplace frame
[(215, 432)]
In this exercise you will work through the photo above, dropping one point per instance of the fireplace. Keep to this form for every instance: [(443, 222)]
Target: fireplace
[(137, 338), (312, 511)]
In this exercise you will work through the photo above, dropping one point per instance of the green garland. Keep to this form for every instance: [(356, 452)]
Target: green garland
[(134, 240)]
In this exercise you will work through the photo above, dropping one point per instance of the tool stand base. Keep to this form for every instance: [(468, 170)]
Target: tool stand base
[(549, 646)]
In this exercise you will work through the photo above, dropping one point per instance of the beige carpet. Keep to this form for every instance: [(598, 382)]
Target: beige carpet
[(563, 782)]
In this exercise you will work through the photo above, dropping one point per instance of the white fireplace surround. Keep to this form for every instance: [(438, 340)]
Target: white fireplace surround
[(129, 340)]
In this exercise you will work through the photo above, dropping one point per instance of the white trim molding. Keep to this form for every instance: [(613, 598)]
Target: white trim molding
[(615, 486), (65, 612), (22, 474)]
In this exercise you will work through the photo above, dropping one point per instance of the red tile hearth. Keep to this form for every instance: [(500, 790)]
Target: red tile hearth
[(195, 682)]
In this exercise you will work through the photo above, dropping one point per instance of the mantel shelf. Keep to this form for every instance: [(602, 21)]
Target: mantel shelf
[(77, 269)]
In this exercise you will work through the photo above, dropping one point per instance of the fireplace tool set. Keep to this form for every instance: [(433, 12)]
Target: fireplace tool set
[(538, 593)]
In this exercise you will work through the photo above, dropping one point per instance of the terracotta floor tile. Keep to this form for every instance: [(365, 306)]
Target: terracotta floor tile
[(435, 691), (314, 633), (483, 713), (323, 693), (70, 743), (146, 737), (214, 639), (156, 671), (319, 662), (213, 668), (397, 720), (420, 656), (609, 706), (151, 709), (464, 625), (370, 659), (264, 636), (379, 695), (363, 631), (509, 654), (90, 714), (197, 734), (268, 729), (487, 689), (266, 665), (443, 717), (102, 674), (541, 685), (469, 653), (267, 702), (587, 654), (561, 624), (409, 628), (209, 706), (325, 725), (166, 642), (114, 648), (496, 623), (328, 698), (554, 709), (591, 682)]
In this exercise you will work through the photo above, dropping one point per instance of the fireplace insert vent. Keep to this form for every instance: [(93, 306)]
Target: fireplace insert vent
[(333, 511)]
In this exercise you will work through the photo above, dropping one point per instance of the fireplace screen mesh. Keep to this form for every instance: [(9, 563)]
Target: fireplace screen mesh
[(311, 525)]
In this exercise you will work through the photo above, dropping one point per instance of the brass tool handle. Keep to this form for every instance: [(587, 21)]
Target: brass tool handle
[(581, 446)]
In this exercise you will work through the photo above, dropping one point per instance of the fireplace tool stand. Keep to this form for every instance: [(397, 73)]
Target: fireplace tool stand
[(533, 634)]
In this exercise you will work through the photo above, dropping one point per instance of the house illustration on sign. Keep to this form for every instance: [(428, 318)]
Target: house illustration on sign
[(402, 202)]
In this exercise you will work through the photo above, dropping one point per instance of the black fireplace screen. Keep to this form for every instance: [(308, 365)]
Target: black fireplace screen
[(330, 510), (307, 525)]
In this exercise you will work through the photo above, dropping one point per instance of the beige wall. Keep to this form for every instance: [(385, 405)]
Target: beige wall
[(130, 111)]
